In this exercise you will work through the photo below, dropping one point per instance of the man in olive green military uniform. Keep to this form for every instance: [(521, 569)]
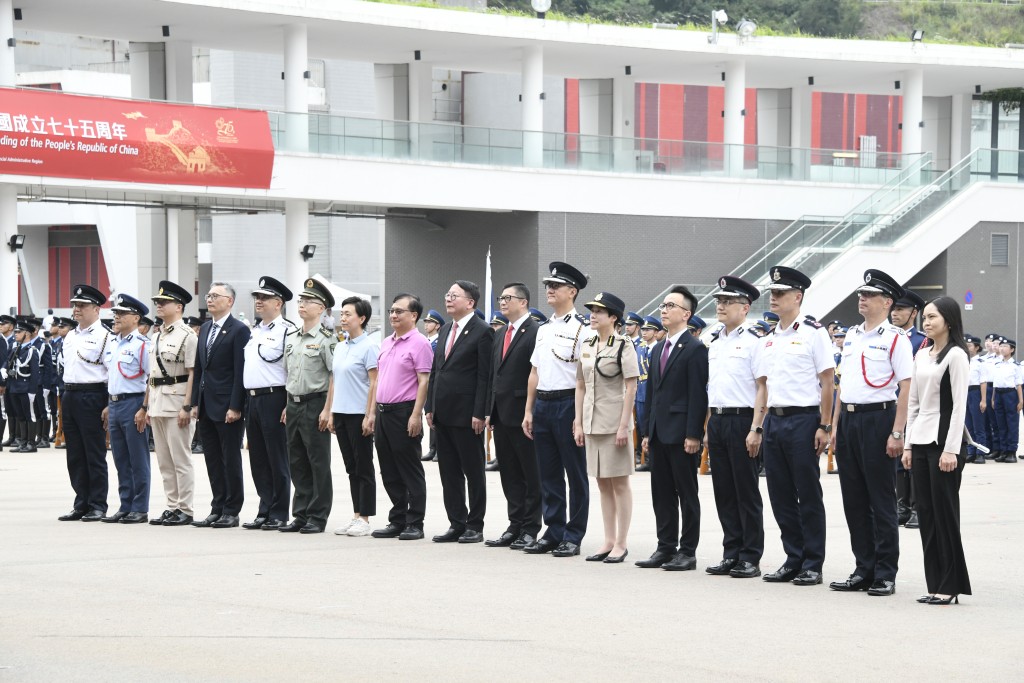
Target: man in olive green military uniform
[(310, 355), (168, 395)]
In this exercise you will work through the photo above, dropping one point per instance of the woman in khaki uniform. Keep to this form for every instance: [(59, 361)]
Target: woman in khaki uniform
[(605, 389)]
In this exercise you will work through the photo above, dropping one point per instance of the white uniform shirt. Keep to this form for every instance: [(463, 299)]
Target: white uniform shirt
[(980, 367), (1005, 374), (84, 354), (874, 362), (264, 355), (732, 369), (791, 360), (558, 349)]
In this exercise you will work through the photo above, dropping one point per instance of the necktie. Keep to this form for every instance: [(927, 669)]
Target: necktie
[(213, 335), (666, 349), (451, 339), (508, 340)]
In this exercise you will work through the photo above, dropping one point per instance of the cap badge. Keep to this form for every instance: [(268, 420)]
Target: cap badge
[(161, 290), (776, 276), (867, 278), (78, 292), (554, 271), (721, 283), (263, 282), (309, 283), (599, 295)]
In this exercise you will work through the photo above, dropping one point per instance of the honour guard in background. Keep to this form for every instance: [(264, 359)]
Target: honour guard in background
[(47, 385), (976, 391), (127, 359), (868, 424), (538, 316), (734, 432), (145, 326), (24, 376), (310, 356), (990, 355), (85, 384), (432, 324), (64, 325), (265, 376), (6, 348), (550, 411), (648, 335), (771, 318), (904, 316), (168, 401), (795, 385), (1006, 379), (634, 321)]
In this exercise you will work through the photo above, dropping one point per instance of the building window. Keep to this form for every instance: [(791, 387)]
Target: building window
[(1000, 249)]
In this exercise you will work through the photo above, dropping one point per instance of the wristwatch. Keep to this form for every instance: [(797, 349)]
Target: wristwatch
[(186, 407), (897, 435), (144, 408), (757, 430), (825, 428)]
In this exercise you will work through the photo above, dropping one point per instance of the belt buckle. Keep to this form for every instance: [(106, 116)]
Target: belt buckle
[(718, 411), (252, 392), (297, 399), (850, 408)]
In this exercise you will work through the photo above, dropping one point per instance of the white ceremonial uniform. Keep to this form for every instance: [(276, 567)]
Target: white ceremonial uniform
[(558, 349), (732, 368), (84, 354), (264, 355), (980, 372), (791, 361), (874, 362)]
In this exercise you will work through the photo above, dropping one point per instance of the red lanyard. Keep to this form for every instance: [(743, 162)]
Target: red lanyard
[(142, 355), (864, 369)]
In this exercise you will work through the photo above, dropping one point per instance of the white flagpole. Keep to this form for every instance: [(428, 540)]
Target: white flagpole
[(488, 295)]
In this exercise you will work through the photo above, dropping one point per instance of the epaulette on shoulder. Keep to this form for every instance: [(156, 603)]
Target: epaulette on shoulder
[(753, 331), (580, 319), (813, 323), (326, 332)]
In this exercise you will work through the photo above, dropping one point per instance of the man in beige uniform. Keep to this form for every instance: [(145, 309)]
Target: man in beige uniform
[(167, 398)]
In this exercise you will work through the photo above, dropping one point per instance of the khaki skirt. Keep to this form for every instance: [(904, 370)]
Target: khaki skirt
[(605, 459)]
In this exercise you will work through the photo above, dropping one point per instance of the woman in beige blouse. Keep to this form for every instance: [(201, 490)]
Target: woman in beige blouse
[(936, 449), (605, 388)]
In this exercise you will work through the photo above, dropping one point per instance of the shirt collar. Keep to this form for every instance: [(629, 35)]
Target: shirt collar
[(223, 319), (463, 321)]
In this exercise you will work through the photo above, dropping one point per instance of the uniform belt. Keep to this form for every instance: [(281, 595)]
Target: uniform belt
[(1005, 390), (264, 390), (306, 397), (555, 395), (732, 411), (783, 411), (388, 407), (867, 407), (974, 386), (167, 381), (114, 398), (91, 386)]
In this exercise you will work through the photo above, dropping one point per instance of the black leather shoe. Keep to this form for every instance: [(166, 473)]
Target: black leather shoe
[(903, 512), (256, 523), (680, 563), (135, 518), (544, 545), (503, 541), (566, 549), (655, 561), (807, 578), (293, 526), (616, 559), (390, 531), (72, 516), (273, 524), (411, 533), (492, 466), (226, 522), (598, 557), (882, 587), (431, 454), (92, 516), (913, 522), (311, 528), (979, 459), (643, 468), (524, 539), (745, 570), (722, 568), (179, 519), (114, 518), (165, 515), (208, 522), (855, 582), (450, 536), (470, 536), (1009, 457), (781, 575)]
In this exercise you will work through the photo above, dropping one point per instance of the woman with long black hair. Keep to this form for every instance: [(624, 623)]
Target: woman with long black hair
[(936, 449)]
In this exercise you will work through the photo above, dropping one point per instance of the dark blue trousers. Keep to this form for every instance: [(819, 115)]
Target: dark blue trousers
[(990, 418), (794, 487), (867, 477), (130, 449), (737, 493), (560, 459), (268, 454), (1007, 420), (86, 448), (975, 419)]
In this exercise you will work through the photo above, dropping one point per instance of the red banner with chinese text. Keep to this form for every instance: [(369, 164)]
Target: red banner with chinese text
[(76, 136)]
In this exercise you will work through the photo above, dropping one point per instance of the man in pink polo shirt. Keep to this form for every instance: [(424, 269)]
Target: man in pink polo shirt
[(403, 369)]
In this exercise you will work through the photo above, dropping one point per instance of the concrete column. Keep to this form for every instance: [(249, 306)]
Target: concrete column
[(960, 127), (178, 70), (800, 130), (533, 105), (296, 88), (148, 69), (421, 92), (735, 101), (391, 91), (8, 193), (173, 259), (623, 111), (296, 236), (913, 110)]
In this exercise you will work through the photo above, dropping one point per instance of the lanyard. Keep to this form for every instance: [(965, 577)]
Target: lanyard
[(864, 369)]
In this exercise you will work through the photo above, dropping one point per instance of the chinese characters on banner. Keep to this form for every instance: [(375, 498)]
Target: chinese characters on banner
[(73, 136)]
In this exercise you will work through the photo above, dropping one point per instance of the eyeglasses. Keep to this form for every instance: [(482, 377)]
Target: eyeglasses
[(303, 301), (213, 296), (507, 298), (452, 296), (397, 311), (668, 305), (263, 297), (726, 302), (554, 285)]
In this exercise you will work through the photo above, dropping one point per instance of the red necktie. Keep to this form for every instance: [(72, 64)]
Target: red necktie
[(451, 339), (508, 340)]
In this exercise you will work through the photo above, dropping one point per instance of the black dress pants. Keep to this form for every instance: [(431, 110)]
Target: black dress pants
[(357, 453), (400, 468), (674, 491), (736, 485), (938, 510), (223, 464), (86, 447), (460, 461), (268, 454), (520, 479)]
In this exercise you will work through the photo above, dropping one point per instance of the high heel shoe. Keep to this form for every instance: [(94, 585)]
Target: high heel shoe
[(617, 559), (599, 557), (944, 601), (925, 599)]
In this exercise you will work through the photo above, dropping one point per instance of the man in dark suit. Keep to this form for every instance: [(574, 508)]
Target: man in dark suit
[(510, 374), (218, 398), (677, 403), (456, 407)]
